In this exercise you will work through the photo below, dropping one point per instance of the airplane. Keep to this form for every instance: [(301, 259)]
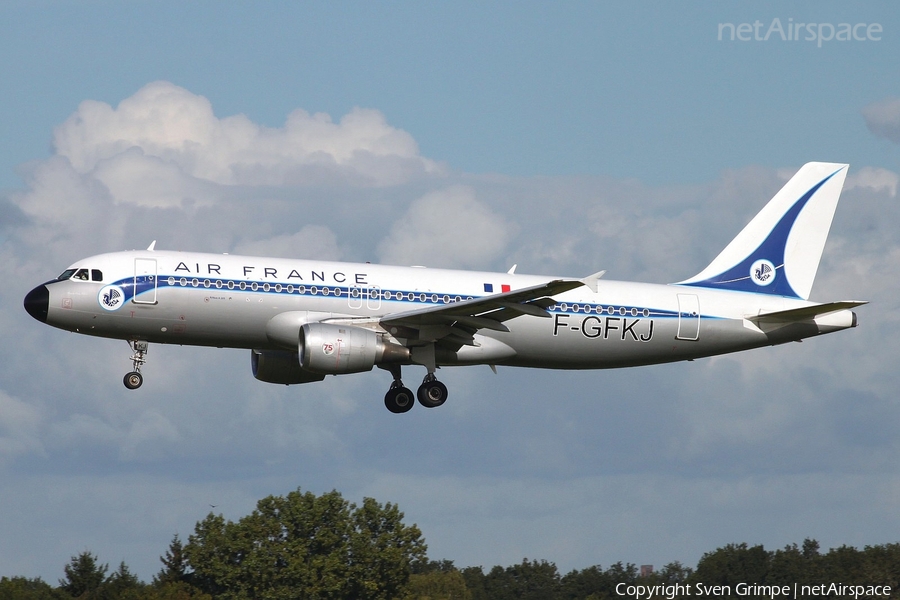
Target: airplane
[(305, 319)]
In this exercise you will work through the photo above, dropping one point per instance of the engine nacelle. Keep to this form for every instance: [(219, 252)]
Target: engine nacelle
[(278, 366), (335, 349)]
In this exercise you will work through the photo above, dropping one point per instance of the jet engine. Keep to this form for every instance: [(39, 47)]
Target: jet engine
[(280, 366), (337, 349)]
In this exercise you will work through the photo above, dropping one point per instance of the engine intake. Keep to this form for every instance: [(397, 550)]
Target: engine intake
[(337, 349), (280, 366)]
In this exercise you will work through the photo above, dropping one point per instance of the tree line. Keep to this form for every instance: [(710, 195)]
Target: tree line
[(313, 547)]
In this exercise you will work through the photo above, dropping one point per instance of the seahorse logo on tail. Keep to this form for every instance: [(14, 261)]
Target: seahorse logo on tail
[(762, 272)]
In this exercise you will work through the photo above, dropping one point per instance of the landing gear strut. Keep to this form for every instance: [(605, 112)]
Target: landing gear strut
[(398, 399), (134, 379)]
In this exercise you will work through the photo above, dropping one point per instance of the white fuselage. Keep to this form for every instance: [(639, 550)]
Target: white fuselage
[(231, 301)]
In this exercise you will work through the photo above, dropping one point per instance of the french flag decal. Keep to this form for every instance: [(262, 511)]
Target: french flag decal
[(489, 288)]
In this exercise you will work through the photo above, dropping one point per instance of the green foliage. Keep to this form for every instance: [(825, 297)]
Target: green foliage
[(122, 585), (178, 590), (437, 585), (322, 548), (21, 588), (873, 566), (306, 546), (175, 565), (529, 580), (539, 580), (84, 576), (733, 564), (595, 583), (430, 566), (474, 578)]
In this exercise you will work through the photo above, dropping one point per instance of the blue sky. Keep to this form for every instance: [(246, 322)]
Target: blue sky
[(515, 88), (578, 136)]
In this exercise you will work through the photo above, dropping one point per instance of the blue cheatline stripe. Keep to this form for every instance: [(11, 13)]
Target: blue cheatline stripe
[(146, 284)]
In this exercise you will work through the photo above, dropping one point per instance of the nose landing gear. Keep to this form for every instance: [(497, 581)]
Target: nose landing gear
[(134, 379)]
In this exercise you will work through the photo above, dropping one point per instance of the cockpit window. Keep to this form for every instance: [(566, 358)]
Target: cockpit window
[(81, 275)]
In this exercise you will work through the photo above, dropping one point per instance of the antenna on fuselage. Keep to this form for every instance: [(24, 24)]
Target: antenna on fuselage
[(151, 246)]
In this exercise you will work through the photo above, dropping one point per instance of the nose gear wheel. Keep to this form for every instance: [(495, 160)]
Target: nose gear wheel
[(134, 379)]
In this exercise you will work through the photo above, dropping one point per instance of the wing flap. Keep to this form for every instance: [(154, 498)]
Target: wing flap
[(480, 323)]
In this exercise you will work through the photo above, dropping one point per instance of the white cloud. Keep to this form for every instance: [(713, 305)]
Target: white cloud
[(876, 179), (883, 118), (146, 180), (149, 437), (80, 430), (168, 132), (20, 428), (447, 228), (58, 195), (162, 166), (311, 242)]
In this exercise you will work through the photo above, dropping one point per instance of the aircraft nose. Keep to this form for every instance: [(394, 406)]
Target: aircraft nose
[(37, 301)]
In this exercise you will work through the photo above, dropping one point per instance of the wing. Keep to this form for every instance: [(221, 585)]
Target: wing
[(455, 324)]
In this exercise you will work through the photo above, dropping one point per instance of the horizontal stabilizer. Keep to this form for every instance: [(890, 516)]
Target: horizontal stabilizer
[(807, 312)]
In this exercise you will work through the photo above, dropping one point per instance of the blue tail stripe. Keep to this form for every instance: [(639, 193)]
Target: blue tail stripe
[(738, 277)]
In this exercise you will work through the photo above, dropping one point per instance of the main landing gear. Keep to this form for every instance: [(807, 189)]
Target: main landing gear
[(399, 399), (432, 393), (134, 379)]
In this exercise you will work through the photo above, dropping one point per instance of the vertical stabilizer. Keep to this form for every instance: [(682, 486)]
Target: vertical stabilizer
[(778, 252)]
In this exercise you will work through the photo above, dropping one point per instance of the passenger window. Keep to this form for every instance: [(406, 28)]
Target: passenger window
[(96, 275), (81, 275)]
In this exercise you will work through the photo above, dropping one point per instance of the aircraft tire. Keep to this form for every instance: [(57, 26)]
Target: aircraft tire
[(399, 400), (432, 394), (133, 380)]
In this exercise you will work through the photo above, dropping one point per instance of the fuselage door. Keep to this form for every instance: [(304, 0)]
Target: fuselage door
[(144, 281), (688, 317)]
